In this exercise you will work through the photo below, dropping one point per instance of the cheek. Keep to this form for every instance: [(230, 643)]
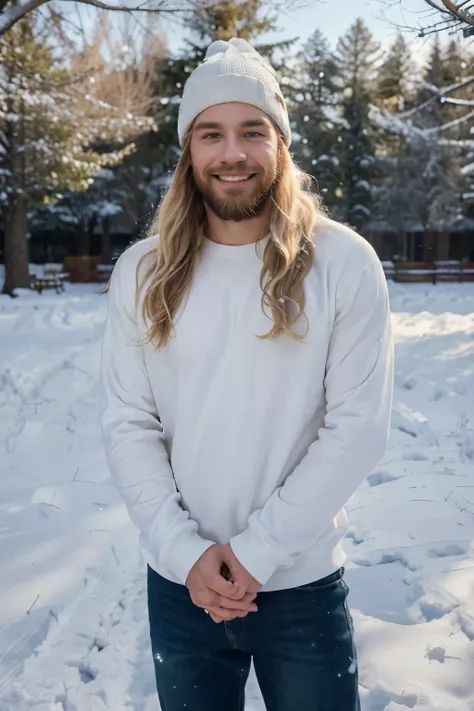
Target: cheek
[(269, 159), (202, 164), (199, 160)]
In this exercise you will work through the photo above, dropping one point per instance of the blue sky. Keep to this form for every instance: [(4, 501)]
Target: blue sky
[(334, 17)]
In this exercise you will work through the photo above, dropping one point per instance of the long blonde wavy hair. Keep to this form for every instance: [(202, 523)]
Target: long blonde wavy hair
[(180, 223)]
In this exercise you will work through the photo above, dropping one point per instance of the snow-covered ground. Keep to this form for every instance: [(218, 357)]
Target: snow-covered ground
[(73, 626)]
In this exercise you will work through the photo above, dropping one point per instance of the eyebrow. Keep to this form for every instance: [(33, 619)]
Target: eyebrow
[(251, 123)]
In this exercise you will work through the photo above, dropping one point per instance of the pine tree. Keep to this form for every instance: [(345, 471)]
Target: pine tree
[(357, 58), (394, 77), (210, 21), (440, 153), (57, 132), (313, 108), (457, 64), (395, 165), (420, 150)]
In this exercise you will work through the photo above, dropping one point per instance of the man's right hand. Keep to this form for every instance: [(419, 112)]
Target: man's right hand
[(209, 590)]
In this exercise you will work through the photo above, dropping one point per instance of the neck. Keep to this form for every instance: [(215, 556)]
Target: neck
[(237, 233)]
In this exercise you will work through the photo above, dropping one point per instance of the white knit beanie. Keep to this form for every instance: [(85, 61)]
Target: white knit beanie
[(233, 71)]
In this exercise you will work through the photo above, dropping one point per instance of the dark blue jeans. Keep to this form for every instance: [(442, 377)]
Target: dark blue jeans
[(301, 642)]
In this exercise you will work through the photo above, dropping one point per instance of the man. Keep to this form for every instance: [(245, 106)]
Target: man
[(246, 393)]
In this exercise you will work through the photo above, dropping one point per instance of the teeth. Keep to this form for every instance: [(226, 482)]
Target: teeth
[(233, 178)]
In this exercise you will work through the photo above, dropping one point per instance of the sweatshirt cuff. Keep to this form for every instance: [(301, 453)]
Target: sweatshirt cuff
[(183, 553), (257, 556)]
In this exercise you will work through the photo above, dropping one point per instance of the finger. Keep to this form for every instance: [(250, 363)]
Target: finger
[(206, 599), (222, 587), (244, 605), (217, 584), (237, 592), (225, 615)]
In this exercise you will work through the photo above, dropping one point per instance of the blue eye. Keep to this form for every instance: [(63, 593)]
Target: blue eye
[(254, 133), (212, 136)]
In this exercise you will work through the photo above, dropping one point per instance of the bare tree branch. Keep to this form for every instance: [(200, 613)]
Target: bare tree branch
[(440, 16), (456, 14), (12, 11)]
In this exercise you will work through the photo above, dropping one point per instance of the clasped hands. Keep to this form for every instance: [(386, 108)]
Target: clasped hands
[(223, 599)]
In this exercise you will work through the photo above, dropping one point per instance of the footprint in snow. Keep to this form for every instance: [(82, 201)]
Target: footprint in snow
[(443, 550), (379, 478)]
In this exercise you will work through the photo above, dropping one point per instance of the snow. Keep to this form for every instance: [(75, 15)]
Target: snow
[(362, 185), (332, 159), (73, 626), (361, 208), (458, 102)]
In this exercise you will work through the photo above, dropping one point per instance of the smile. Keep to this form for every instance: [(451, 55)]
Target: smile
[(234, 178)]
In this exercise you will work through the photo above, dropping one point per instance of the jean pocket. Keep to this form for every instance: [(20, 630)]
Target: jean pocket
[(328, 583)]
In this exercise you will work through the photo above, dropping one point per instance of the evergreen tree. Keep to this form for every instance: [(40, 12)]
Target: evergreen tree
[(57, 132), (316, 121), (357, 57), (439, 149), (422, 150), (392, 90), (395, 165), (210, 21)]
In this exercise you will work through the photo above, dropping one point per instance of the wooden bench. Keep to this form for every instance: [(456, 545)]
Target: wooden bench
[(447, 271), (467, 271), (104, 272), (389, 269), (409, 272), (51, 280), (433, 272)]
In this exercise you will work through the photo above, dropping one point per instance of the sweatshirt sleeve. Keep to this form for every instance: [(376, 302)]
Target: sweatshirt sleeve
[(133, 437), (359, 387)]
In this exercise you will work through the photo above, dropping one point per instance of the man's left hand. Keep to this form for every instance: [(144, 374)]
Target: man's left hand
[(242, 579)]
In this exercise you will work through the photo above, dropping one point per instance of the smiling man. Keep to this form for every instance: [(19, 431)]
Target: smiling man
[(248, 179), (247, 373)]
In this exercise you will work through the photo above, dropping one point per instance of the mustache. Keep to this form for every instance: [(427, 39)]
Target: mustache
[(240, 171)]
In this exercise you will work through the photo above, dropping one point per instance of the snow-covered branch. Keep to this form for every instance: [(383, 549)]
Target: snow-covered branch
[(400, 125), (458, 102), (456, 122), (441, 95)]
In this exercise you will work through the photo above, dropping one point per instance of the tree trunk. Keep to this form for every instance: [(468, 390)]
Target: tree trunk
[(403, 245), (16, 247), (16, 222), (106, 251)]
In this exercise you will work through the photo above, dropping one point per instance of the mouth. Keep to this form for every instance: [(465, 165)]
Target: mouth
[(235, 179)]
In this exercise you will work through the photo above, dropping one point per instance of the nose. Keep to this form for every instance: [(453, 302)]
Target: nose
[(232, 150)]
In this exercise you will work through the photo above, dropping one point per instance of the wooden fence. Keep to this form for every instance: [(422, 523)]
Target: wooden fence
[(432, 272)]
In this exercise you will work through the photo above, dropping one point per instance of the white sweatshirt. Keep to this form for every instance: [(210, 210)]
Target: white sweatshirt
[(223, 437)]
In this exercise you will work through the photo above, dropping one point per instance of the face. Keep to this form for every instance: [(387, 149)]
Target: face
[(234, 156)]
